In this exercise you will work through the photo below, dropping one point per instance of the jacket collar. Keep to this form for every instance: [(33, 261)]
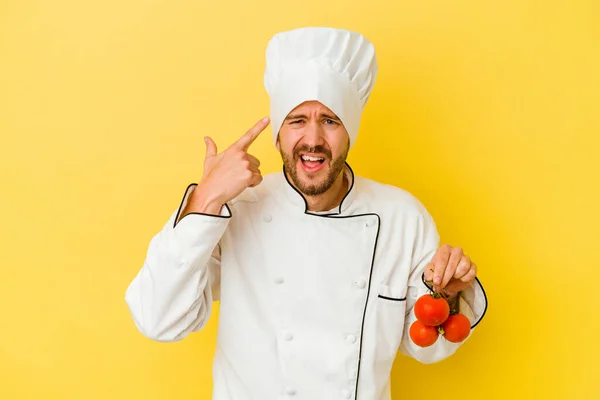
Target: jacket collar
[(297, 200)]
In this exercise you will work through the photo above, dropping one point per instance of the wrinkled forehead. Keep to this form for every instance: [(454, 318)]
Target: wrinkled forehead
[(311, 107)]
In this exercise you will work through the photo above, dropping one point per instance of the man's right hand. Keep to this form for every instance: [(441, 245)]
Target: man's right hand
[(227, 174)]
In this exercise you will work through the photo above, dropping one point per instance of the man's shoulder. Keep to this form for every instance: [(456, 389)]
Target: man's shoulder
[(387, 196)]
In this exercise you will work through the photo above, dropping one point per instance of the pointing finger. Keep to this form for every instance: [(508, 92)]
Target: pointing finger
[(249, 137)]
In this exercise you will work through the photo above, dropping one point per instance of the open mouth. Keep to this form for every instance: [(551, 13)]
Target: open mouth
[(311, 163)]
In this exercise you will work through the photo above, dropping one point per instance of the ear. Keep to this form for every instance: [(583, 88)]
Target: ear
[(277, 144)]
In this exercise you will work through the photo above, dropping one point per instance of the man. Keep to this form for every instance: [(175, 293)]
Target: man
[(316, 270)]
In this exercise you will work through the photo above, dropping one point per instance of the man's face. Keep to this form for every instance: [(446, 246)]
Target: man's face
[(314, 145)]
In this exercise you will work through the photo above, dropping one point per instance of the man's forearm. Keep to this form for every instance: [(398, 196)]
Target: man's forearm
[(201, 202)]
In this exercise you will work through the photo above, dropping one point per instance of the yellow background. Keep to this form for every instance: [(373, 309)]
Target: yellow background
[(487, 111)]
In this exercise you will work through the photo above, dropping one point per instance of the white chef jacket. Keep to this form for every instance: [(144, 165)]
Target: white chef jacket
[(312, 307)]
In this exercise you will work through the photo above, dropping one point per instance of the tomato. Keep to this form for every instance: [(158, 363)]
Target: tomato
[(456, 328), (423, 335), (432, 311)]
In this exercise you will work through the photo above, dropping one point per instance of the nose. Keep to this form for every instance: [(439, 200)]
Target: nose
[(313, 134)]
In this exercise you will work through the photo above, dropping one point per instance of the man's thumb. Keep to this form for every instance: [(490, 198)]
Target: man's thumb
[(211, 147)]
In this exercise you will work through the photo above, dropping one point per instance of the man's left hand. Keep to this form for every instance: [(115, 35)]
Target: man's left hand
[(450, 269)]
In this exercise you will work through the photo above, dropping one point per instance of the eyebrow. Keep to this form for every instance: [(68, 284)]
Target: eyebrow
[(299, 116)]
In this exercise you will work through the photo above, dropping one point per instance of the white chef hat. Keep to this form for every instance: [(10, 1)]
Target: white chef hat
[(332, 66)]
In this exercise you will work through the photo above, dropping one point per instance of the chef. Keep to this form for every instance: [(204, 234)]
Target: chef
[(316, 269)]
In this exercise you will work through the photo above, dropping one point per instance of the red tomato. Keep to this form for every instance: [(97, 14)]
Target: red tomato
[(423, 335), (456, 328), (432, 311)]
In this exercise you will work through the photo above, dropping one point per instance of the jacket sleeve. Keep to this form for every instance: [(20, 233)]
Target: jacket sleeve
[(172, 294), (472, 301)]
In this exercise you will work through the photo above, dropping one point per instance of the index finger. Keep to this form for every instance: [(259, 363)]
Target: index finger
[(440, 261), (249, 137)]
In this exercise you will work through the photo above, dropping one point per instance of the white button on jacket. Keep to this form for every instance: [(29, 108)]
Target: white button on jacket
[(311, 306)]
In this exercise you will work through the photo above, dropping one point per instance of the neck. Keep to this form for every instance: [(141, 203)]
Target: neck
[(331, 198)]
